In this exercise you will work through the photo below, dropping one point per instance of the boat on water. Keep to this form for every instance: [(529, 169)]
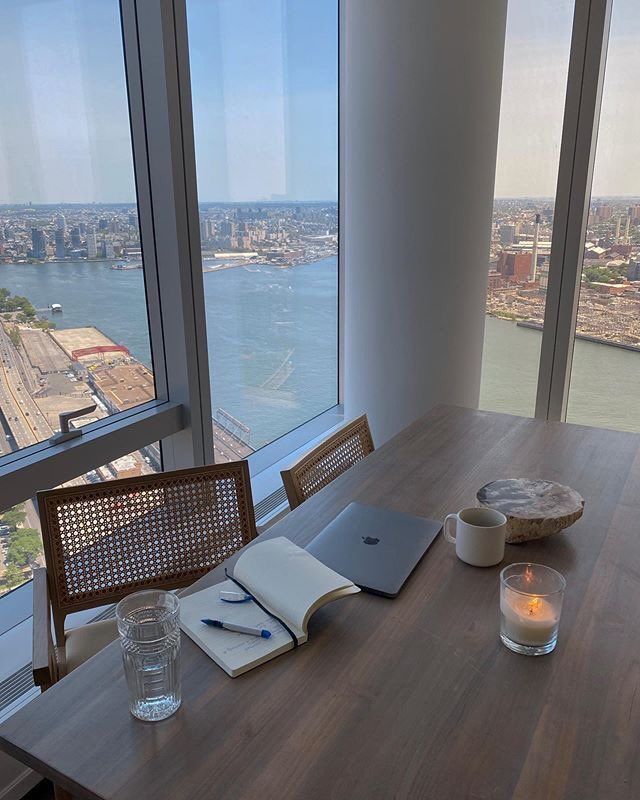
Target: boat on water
[(125, 265), (56, 308)]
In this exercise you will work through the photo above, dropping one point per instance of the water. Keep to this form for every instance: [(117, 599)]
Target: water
[(604, 383), (272, 333), (272, 338)]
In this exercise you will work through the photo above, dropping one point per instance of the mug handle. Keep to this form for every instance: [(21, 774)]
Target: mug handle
[(445, 527)]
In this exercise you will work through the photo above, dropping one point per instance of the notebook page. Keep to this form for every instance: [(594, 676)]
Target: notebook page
[(290, 580), (234, 652)]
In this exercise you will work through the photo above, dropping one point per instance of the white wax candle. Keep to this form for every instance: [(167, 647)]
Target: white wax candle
[(528, 619)]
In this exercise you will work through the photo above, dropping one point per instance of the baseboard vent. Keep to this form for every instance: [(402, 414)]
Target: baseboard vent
[(15, 686), (270, 503)]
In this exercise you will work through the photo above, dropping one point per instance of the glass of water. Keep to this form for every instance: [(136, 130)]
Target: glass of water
[(150, 638)]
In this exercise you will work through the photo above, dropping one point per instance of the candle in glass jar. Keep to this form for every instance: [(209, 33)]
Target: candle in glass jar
[(528, 619)]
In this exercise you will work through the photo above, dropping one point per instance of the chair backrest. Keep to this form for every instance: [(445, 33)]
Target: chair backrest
[(104, 541), (329, 460)]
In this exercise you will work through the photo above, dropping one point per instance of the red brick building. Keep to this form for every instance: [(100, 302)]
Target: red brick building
[(515, 266)]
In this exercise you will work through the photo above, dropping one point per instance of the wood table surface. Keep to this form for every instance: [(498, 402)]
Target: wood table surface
[(407, 698)]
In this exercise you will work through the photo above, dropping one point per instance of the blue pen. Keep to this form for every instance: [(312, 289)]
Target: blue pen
[(231, 626)]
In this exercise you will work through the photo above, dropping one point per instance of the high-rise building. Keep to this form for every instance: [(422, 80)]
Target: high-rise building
[(507, 234), (92, 245), (60, 245), (108, 250), (38, 244), (61, 224), (76, 242)]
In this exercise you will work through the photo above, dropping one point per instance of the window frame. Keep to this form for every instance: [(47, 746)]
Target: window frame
[(156, 63), (587, 63)]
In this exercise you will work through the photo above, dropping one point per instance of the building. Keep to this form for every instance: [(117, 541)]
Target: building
[(61, 224), (507, 234), (92, 245), (515, 266), (495, 280), (61, 250), (38, 244), (633, 270), (76, 241)]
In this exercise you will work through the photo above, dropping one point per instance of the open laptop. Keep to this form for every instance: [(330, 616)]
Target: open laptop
[(376, 548)]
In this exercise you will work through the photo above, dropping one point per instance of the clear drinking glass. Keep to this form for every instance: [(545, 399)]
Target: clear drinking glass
[(150, 637), (530, 606)]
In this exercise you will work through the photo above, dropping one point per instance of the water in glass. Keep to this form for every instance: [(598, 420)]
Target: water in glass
[(150, 637)]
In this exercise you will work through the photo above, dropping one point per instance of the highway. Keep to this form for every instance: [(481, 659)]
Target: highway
[(28, 425)]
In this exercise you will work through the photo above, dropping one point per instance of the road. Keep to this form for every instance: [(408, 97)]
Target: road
[(28, 425)]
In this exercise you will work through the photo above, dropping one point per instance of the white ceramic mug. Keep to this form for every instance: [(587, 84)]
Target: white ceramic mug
[(479, 535)]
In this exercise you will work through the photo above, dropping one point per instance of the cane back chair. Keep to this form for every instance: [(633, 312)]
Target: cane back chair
[(328, 461), (102, 542)]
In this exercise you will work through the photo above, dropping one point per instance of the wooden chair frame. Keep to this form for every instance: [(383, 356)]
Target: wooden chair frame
[(326, 462), (102, 542)]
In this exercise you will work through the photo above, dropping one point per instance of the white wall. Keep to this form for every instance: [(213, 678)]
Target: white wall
[(420, 116)]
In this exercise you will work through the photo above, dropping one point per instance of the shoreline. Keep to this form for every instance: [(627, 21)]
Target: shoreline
[(206, 268), (585, 337)]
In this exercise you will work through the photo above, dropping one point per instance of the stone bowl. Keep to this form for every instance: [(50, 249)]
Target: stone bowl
[(534, 508)]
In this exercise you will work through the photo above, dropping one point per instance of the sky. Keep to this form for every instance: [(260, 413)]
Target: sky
[(533, 92), (264, 86)]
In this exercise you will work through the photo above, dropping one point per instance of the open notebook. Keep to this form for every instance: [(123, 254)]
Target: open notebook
[(287, 580)]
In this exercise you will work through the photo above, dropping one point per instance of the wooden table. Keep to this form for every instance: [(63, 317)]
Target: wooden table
[(407, 698)]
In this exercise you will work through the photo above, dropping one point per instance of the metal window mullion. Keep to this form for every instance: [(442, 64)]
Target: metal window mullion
[(587, 60), (159, 86)]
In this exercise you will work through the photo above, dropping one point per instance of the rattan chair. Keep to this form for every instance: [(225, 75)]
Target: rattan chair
[(327, 461), (102, 542)]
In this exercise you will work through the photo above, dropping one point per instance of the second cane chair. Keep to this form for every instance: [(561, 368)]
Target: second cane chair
[(103, 542), (327, 461)]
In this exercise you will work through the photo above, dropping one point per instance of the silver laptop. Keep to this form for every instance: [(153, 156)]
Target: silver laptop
[(374, 547)]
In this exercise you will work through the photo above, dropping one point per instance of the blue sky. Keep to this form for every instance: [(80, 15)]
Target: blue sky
[(264, 78), (264, 83)]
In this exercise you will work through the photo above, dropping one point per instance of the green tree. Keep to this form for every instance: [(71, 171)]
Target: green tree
[(14, 516), (13, 576), (24, 546)]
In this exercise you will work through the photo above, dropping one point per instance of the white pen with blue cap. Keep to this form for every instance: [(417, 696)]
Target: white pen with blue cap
[(231, 626)]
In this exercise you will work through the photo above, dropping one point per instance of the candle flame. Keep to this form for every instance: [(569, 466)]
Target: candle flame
[(533, 605)]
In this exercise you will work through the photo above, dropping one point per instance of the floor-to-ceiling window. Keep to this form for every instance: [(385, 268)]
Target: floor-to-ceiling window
[(605, 377), (74, 329), (536, 60), (264, 83)]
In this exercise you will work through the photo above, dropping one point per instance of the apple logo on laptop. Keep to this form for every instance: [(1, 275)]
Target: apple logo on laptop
[(370, 540)]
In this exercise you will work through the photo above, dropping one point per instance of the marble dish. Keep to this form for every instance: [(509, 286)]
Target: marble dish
[(534, 508)]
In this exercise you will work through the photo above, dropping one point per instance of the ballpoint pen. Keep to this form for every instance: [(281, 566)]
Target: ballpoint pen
[(231, 626)]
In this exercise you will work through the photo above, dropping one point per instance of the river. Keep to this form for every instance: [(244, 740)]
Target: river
[(605, 381), (272, 339), (272, 333)]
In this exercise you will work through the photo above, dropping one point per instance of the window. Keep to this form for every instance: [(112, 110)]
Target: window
[(605, 377), (74, 331), (264, 81), (536, 62), (20, 539)]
